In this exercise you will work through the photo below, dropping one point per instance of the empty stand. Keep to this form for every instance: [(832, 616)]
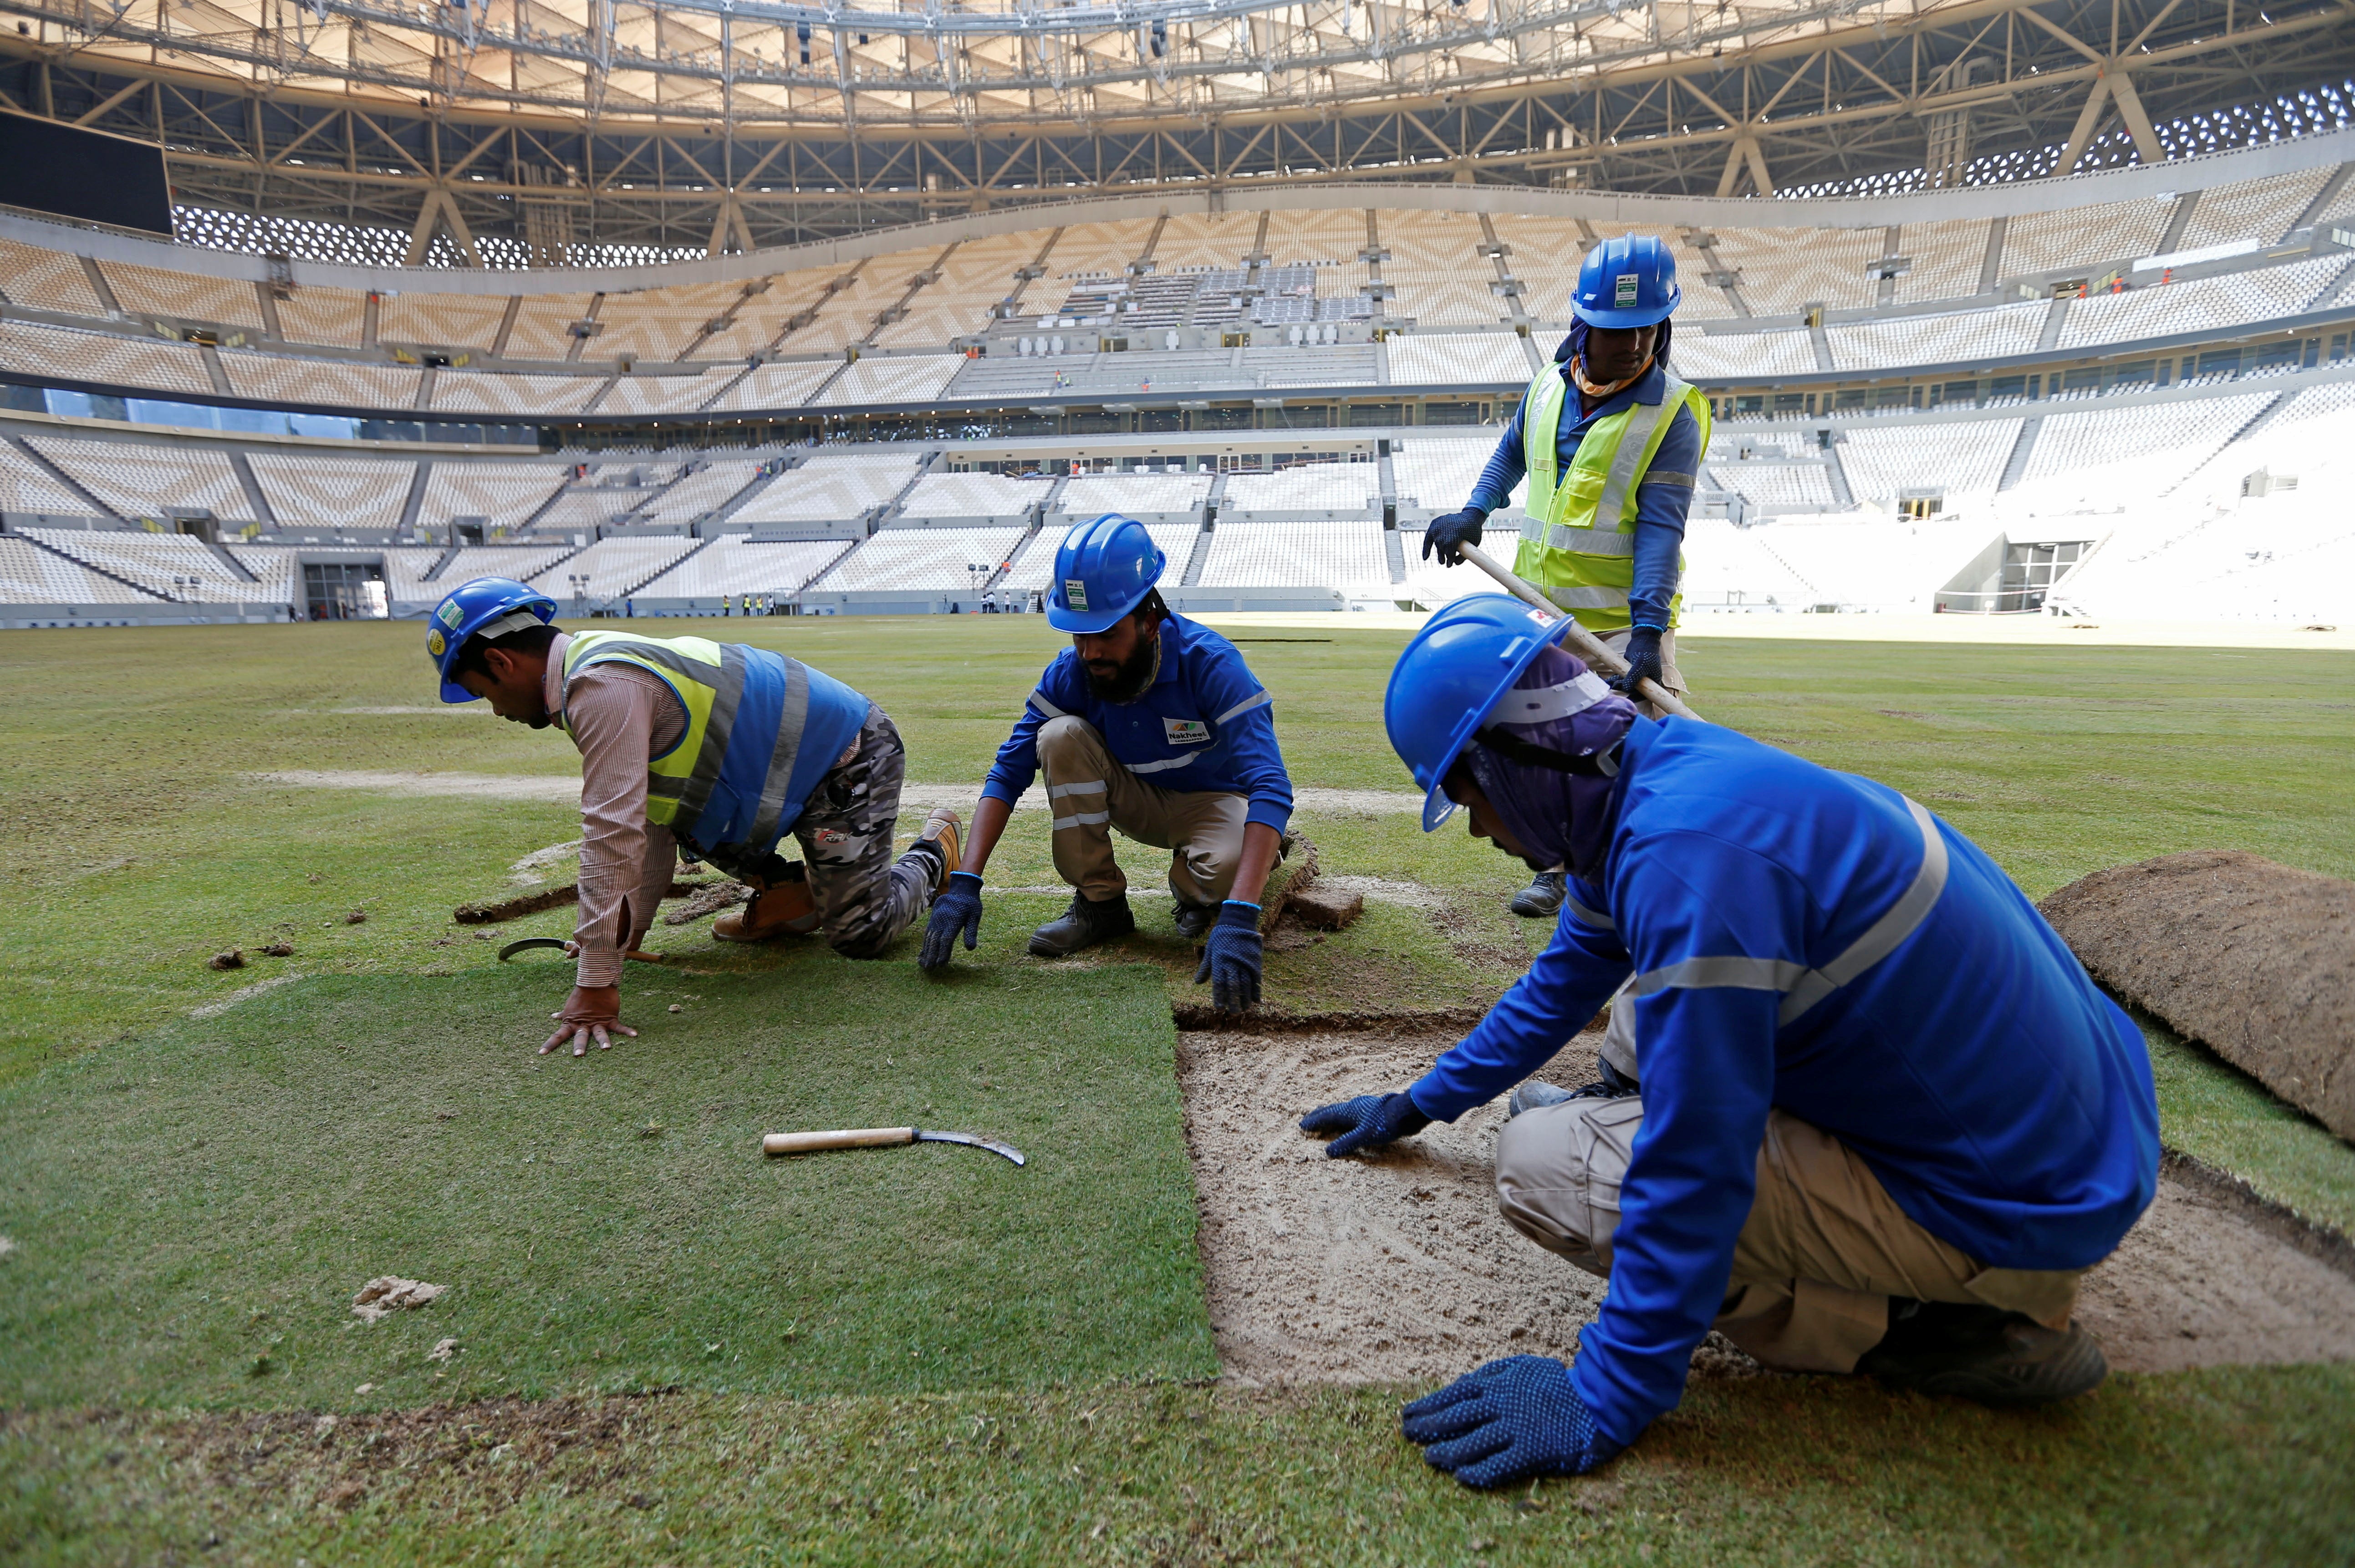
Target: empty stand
[(45, 280), (2198, 304), (784, 385), (2083, 237), (614, 567), (1485, 358), (973, 495), (976, 275), (1312, 489), (29, 575), (440, 321), (919, 379), (658, 324), (332, 383), (1436, 474), (305, 490), (1772, 487), (334, 319), (69, 356), (543, 327), (922, 561), (1346, 555), (1785, 270), (138, 481), (834, 486), (521, 562), (1436, 268), (664, 394), (1137, 495), (505, 495), (736, 565), (184, 296), (2138, 450), (405, 576), (703, 492), (585, 508), (2259, 209), (1934, 339), (491, 393), (1957, 459), (1745, 354), (1944, 259), (173, 566), (1034, 569), (835, 320), (27, 488)]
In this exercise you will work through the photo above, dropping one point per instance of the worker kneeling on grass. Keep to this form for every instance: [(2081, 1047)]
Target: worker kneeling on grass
[(715, 751), (1151, 724), (1863, 1110)]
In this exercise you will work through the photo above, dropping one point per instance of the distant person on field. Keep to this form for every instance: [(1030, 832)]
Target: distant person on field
[(1611, 442), (1151, 724), (714, 751), (1860, 1109)]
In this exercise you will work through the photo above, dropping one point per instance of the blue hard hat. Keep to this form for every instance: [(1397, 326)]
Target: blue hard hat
[(488, 607), (1627, 281), (1102, 570), (1451, 678)]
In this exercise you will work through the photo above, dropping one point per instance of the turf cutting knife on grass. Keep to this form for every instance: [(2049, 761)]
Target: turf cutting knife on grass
[(533, 944), (876, 1138), (1582, 643)]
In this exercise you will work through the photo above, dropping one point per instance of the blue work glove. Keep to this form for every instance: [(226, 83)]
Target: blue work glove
[(1231, 958), (955, 911), (1509, 1421), (1445, 533), (1643, 655), (1369, 1121)]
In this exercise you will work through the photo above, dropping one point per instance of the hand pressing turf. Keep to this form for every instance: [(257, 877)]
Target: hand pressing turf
[(1369, 1121), (1512, 1419), (592, 1012)]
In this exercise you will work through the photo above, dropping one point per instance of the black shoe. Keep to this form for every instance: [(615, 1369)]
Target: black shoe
[(1194, 920), (1541, 899), (1983, 1353), (1083, 924)]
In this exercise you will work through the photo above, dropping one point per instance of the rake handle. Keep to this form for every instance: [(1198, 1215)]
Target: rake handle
[(1583, 642), (848, 1137)]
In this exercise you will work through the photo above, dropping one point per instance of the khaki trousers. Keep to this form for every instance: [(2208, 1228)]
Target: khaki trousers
[(1090, 794), (1671, 676), (1824, 1249)]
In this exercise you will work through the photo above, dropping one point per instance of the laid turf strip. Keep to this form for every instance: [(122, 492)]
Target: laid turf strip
[(192, 1211)]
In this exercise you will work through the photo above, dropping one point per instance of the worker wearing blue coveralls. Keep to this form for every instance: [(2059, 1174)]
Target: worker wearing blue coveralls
[(1152, 724), (1604, 520), (1880, 1119)]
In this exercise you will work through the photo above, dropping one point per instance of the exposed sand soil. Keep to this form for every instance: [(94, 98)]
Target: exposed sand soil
[(1397, 1267)]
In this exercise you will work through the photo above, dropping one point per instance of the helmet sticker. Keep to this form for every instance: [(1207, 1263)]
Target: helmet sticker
[(1624, 295), (1075, 593), (450, 614), (435, 643)]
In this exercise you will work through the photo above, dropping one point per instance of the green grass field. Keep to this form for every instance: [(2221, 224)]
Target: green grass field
[(671, 1349)]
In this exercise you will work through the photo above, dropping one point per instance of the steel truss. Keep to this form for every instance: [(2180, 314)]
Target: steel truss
[(1965, 93)]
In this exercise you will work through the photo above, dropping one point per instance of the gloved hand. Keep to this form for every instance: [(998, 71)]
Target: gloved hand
[(957, 911), (1445, 533), (1511, 1420), (1369, 1121), (1643, 655), (1232, 958)]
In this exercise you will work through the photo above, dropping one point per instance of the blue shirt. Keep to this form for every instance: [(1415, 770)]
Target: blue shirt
[(1662, 500), (2004, 1101), (1204, 724)]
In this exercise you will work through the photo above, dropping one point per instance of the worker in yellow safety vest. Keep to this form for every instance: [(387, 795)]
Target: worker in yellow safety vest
[(1611, 474)]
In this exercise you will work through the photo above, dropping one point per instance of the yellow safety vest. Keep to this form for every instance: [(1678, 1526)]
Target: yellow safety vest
[(1578, 531)]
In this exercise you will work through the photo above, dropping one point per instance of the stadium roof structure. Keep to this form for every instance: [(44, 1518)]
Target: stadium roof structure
[(590, 131)]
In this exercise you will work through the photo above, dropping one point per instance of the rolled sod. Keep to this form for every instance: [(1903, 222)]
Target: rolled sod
[(192, 1211)]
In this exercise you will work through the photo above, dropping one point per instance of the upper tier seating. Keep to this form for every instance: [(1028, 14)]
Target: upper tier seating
[(483, 392), (1438, 272), (664, 394), (2082, 237), (47, 280), (924, 561), (1436, 474), (69, 356), (993, 495), (585, 508), (32, 576), (521, 562), (614, 567), (305, 490), (1214, 240), (466, 322), (735, 565), (918, 379), (2261, 209), (658, 325), (27, 487), (154, 560), (387, 388), (1935, 339), (1785, 270), (1485, 358), (1327, 489), (833, 487), (184, 296), (1345, 555), (334, 319), (2198, 304), (543, 326), (1135, 495), (138, 481), (1086, 248), (505, 495), (976, 275), (836, 320), (1747, 354), (782, 386), (1963, 458), (706, 490)]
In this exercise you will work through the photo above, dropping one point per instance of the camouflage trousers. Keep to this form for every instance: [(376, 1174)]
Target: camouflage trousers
[(865, 896)]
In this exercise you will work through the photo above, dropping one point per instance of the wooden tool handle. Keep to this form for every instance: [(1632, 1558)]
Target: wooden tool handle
[(848, 1137), (1582, 643)]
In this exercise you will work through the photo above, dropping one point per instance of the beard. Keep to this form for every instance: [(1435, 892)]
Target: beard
[(1136, 673)]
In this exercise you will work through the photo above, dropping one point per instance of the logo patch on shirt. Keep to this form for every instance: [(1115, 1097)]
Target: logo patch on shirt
[(1184, 733), (1075, 593), (1624, 293)]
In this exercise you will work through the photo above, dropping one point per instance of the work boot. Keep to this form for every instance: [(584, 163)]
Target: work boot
[(782, 908), (945, 832), (1194, 920), (1541, 899), (1084, 924), (1983, 1353)]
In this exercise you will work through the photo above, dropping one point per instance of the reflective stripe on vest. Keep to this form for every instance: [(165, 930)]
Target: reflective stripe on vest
[(725, 780), (1578, 530)]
